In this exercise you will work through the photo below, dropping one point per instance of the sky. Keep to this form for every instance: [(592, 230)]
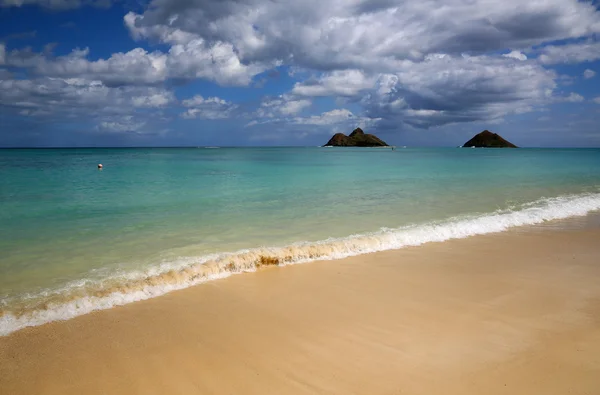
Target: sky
[(91, 73)]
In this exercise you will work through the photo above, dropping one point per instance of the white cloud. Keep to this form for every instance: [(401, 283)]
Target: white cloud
[(134, 67), (570, 53), (335, 120), (334, 117), (84, 100), (587, 74), (373, 35), (217, 62), (419, 62), (596, 100), (446, 89), (209, 108), (336, 83), (294, 106), (327, 118), (193, 56), (284, 105), (192, 60), (153, 99), (516, 55), (121, 124), (574, 98), (162, 33), (404, 60)]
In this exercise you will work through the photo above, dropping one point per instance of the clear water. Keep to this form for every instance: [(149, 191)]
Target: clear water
[(69, 230)]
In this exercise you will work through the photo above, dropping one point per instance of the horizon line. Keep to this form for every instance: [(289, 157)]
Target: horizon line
[(274, 146)]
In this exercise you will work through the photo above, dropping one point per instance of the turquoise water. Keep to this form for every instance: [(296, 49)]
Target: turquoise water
[(76, 238)]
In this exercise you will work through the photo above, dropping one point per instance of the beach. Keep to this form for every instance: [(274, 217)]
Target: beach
[(75, 239), (286, 197), (516, 312)]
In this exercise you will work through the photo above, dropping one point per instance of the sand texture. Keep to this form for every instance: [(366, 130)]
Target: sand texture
[(510, 313)]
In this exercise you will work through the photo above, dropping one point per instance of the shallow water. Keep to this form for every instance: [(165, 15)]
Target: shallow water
[(76, 238)]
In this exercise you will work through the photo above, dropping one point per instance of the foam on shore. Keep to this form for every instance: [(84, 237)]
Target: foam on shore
[(86, 296)]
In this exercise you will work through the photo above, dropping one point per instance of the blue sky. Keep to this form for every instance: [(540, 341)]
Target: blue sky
[(264, 72)]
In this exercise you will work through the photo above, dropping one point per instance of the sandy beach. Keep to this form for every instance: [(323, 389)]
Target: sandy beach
[(510, 313)]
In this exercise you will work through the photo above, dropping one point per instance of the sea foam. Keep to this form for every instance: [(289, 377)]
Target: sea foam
[(78, 299)]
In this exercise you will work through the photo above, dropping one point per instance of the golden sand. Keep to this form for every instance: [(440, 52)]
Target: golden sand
[(512, 313)]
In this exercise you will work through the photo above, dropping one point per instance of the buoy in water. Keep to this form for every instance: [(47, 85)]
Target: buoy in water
[(99, 165)]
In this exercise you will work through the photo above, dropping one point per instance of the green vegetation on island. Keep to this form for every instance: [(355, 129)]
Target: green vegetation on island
[(487, 139), (357, 138)]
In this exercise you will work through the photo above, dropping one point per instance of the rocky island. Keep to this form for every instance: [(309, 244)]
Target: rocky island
[(487, 139), (357, 138)]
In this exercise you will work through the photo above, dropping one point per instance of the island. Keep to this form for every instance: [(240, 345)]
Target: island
[(357, 138), (487, 139)]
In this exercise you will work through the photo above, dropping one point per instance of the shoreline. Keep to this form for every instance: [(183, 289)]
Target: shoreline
[(72, 300), (510, 312)]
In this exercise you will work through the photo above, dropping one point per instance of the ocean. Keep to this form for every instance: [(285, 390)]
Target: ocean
[(74, 239)]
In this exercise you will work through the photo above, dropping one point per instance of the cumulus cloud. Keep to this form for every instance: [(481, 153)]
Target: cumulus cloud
[(192, 60), (596, 100), (445, 89), (153, 99), (134, 67), (80, 99), (125, 123), (209, 108), (587, 74), (139, 30), (423, 63), (292, 107), (283, 105), (367, 34), (574, 98), (404, 60), (516, 55), (345, 83), (194, 56), (570, 53), (341, 117), (334, 117), (218, 62)]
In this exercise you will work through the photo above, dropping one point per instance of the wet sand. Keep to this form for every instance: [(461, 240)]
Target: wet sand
[(510, 313)]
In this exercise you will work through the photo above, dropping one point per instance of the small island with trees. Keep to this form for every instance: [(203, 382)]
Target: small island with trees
[(487, 139), (357, 138)]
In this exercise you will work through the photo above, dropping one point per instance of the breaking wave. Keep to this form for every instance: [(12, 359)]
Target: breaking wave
[(86, 296)]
